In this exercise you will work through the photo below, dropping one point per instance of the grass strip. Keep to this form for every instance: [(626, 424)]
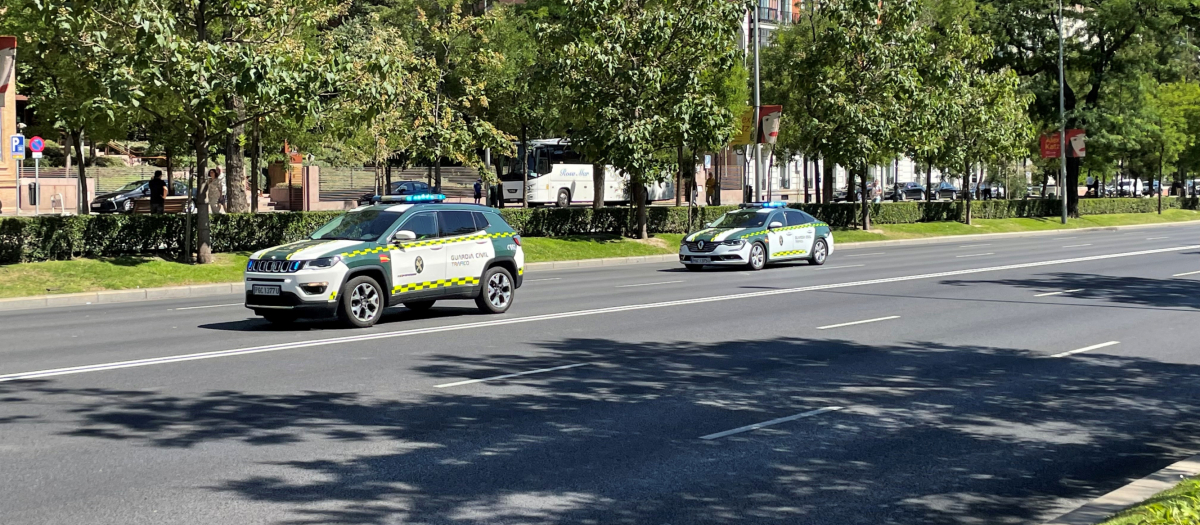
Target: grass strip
[(1175, 506), (888, 232)]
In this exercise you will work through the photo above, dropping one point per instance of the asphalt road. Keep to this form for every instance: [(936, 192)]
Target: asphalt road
[(901, 384)]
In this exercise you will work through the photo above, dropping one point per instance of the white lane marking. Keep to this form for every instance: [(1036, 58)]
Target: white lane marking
[(864, 254), (1185, 274), (1088, 349), (973, 255), (563, 315), (647, 284), (757, 426), (974, 246), (1064, 238), (537, 280), (1157, 238), (1058, 293), (1076, 246), (840, 267), (858, 322), (506, 376), (209, 306)]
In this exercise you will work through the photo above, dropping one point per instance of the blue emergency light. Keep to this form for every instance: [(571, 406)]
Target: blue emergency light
[(772, 204), (425, 197)]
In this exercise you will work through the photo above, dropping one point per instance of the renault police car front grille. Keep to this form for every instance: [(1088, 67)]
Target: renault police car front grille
[(267, 266), (702, 246)]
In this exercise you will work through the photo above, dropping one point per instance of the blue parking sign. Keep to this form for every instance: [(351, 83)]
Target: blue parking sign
[(17, 147)]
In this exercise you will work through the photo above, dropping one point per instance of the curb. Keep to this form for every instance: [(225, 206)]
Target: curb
[(202, 290), (1101, 508), (120, 296)]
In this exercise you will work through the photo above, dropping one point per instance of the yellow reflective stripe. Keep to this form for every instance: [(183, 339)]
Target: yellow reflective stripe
[(430, 285), (790, 253)]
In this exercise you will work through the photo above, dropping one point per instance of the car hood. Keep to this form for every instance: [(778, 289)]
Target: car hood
[(723, 234), (311, 249), (112, 194)]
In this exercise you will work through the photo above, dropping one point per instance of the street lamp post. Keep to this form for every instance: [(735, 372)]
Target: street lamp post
[(1062, 118), (757, 112)]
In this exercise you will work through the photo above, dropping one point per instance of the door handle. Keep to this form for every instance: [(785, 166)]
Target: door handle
[(436, 248)]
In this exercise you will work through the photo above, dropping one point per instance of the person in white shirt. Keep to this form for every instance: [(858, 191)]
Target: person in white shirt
[(214, 192)]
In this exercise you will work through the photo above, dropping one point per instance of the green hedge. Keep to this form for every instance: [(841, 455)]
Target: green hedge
[(27, 239)]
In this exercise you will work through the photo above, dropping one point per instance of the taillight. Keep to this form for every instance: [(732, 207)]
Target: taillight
[(517, 239)]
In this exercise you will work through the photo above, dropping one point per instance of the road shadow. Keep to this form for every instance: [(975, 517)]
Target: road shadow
[(930, 434), (395, 314), (1136, 291)]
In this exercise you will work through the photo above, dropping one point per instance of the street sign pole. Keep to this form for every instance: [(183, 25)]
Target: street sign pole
[(37, 145), (1062, 113), (16, 150)]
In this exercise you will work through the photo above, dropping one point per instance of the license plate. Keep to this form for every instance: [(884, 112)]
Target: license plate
[(265, 290), (701, 260)]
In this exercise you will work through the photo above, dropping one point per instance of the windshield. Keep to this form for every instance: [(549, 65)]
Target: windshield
[(741, 219), (367, 225), (132, 186)]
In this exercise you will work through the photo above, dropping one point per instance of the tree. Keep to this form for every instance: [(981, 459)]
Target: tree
[(641, 77), (1106, 41), (61, 72)]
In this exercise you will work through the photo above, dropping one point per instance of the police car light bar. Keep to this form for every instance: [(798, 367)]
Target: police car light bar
[(427, 197), (772, 204)]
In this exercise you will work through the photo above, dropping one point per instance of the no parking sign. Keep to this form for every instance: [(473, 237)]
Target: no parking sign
[(37, 145)]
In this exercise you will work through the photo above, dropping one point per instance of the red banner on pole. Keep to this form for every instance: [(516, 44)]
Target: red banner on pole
[(1076, 144)]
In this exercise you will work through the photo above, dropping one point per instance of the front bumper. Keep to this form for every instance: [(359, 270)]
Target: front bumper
[(292, 296), (106, 207), (721, 255)]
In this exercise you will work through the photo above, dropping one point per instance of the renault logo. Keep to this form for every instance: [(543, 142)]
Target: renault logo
[(700, 245)]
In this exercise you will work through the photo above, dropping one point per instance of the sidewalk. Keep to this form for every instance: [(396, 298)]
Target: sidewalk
[(203, 290), (1101, 508)]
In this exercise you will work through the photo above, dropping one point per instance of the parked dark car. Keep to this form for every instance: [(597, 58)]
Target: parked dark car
[(945, 190), (913, 191), (402, 187), (121, 201)]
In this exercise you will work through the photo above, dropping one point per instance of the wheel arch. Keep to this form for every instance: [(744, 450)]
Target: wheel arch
[(508, 263), (374, 272)]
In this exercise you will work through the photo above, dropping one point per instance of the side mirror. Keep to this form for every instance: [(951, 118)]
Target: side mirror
[(775, 224), (404, 235)]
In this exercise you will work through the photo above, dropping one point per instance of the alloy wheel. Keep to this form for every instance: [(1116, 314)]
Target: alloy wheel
[(364, 302), (499, 290)]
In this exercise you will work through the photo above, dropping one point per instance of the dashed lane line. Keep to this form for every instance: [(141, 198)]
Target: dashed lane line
[(562, 315)]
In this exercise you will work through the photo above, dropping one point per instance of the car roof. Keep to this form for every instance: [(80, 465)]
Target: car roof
[(431, 206)]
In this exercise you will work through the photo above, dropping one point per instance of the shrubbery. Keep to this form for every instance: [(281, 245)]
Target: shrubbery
[(27, 239)]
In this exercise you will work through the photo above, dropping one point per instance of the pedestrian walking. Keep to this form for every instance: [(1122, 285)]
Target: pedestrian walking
[(158, 193), (710, 189), (215, 196), (478, 190)]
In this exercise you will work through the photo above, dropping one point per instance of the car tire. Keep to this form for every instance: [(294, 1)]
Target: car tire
[(820, 253), (280, 318), (564, 198), (127, 206), (758, 257), (694, 267), (420, 306), (362, 302), (497, 292)]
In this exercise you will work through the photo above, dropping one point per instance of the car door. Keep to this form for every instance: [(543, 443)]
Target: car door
[(803, 233), (418, 266), (468, 248), (779, 240)]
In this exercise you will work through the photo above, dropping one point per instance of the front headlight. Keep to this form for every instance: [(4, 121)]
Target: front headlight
[(324, 262), (736, 242)]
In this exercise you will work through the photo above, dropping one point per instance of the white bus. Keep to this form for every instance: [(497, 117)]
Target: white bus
[(558, 175)]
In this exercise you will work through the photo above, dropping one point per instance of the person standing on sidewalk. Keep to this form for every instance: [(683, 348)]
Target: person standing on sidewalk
[(478, 190), (710, 189), (215, 195), (158, 193)]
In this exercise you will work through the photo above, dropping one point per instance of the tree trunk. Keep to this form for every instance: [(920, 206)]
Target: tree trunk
[(1071, 186), (77, 140), (866, 203), (679, 175), (851, 179), (523, 153), (967, 193), (235, 161), (804, 173), (187, 222), (203, 239), (598, 176), (929, 182), (642, 212), (255, 165), (437, 174), (170, 171), (1160, 184), (827, 182)]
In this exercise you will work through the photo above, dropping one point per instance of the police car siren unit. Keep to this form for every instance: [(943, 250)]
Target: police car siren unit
[(426, 197)]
